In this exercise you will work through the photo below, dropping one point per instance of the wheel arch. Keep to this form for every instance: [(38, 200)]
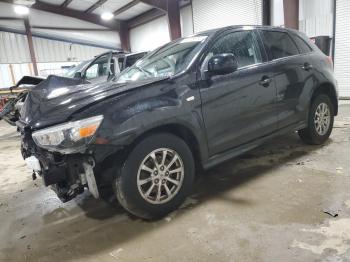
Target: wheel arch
[(327, 89), (181, 131), (195, 143)]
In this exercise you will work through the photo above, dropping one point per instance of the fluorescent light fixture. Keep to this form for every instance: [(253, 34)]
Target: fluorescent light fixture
[(107, 16), (21, 10)]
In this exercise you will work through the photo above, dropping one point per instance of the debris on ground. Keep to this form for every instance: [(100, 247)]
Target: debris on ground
[(339, 170), (22, 237), (331, 213), (333, 209), (115, 253)]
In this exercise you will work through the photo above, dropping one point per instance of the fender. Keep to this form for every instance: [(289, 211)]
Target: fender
[(170, 103)]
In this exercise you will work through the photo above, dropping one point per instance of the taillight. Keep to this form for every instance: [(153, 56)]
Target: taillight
[(330, 61)]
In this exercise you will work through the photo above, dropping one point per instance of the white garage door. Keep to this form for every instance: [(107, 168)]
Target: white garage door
[(342, 50), (150, 35), (209, 14)]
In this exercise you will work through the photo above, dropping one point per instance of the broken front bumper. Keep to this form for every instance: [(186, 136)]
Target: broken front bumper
[(67, 175)]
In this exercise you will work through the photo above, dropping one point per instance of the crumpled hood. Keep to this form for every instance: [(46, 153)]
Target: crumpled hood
[(29, 80), (54, 100)]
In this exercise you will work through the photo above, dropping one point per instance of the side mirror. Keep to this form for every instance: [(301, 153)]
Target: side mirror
[(222, 64), (78, 75)]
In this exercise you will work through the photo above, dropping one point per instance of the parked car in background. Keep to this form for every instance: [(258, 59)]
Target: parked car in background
[(194, 102), (14, 97), (100, 69), (104, 67)]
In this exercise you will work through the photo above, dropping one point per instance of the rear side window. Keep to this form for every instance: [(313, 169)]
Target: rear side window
[(303, 46), (279, 44)]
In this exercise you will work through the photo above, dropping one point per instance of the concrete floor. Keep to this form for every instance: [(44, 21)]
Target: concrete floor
[(267, 205)]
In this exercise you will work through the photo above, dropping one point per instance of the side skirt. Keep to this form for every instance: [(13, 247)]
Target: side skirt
[(234, 152)]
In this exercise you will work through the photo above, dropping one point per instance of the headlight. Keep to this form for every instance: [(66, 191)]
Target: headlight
[(69, 137)]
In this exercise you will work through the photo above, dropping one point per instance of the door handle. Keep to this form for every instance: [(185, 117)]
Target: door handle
[(307, 67), (265, 81)]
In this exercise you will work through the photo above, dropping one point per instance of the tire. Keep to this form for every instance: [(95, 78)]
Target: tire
[(137, 169), (313, 134)]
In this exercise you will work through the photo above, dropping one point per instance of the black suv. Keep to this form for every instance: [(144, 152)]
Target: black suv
[(194, 102)]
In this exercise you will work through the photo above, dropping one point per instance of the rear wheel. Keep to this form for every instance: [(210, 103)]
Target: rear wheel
[(156, 177), (320, 123)]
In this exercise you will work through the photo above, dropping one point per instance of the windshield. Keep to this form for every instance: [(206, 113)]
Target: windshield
[(71, 72), (166, 61)]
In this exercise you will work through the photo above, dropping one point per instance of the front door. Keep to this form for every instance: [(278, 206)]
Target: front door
[(238, 107)]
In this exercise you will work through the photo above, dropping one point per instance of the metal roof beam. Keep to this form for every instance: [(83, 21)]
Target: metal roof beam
[(145, 18), (126, 7), (174, 19), (159, 4), (71, 28), (10, 18), (96, 5), (31, 45), (66, 3), (92, 18)]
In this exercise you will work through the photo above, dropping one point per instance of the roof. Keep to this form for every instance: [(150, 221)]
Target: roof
[(216, 30)]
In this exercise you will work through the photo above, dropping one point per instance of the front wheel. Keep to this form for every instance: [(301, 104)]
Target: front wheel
[(156, 177), (320, 122)]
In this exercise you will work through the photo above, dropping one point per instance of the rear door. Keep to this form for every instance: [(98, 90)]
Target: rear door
[(238, 107), (292, 72)]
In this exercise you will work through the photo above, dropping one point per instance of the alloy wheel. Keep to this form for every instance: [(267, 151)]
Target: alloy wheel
[(160, 176), (322, 119)]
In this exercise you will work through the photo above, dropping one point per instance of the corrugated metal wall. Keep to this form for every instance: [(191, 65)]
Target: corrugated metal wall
[(57, 51), (316, 17), (15, 59), (342, 51), (208, 14), (13, 48), (11, 73)]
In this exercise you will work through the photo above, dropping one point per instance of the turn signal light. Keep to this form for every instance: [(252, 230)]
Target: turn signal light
[(87, 131)]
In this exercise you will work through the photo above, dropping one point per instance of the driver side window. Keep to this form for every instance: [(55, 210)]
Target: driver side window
[(241, 44), (98, 68)]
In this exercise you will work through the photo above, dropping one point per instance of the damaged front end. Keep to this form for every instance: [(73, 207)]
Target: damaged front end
[(66, 174), (58, 153), (70, 136)]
